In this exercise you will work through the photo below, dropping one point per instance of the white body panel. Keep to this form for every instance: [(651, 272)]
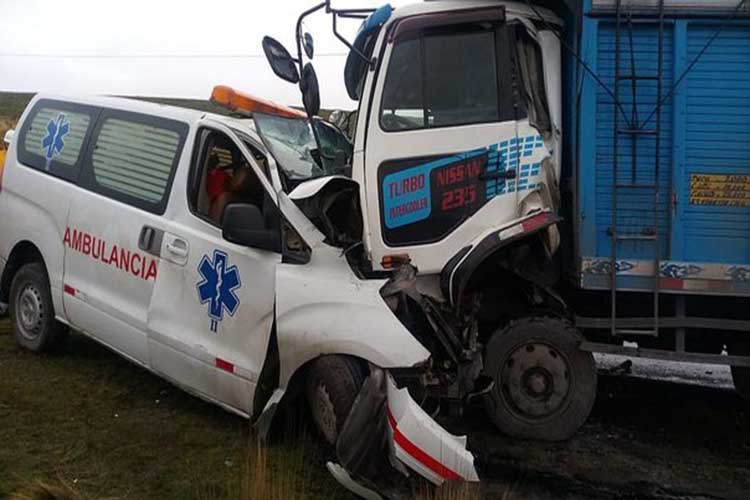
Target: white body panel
[(41, 203), (101, 298)]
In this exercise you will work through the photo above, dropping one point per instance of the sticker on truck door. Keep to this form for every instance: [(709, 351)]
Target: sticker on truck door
[(219, 282), (422, 200)]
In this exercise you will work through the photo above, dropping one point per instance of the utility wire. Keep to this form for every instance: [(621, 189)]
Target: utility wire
[(155, 56), (674, 86), (580, 60), (695, 60)]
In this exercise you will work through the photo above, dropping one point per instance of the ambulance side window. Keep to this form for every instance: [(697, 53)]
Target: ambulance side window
[(133, 158), (53, 137), (220, 176)]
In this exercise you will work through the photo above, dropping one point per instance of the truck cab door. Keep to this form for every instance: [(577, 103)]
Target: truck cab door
[(450, 151), (213, 304)]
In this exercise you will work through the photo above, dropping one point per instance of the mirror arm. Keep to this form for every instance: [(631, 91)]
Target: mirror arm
[(370, 62), (298, 32), (326, 4)]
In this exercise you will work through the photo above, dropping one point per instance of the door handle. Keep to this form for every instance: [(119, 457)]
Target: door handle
[(506, 174), (178, 247), (150, 240)]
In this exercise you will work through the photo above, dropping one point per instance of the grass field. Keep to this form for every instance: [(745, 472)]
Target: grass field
[(108, 429)]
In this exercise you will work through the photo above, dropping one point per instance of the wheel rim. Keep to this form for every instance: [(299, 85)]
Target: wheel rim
[(325, 416), (30, 309), (535, 380)]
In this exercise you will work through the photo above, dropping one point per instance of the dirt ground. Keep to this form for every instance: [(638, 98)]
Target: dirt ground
[(664, 431)]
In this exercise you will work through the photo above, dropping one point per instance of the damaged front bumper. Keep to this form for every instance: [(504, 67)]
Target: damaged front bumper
[(387, 436), (422, 444)]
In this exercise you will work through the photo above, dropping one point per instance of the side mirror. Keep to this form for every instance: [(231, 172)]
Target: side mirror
[(245, 225), (280, 60), (308, 45), (308, 84)]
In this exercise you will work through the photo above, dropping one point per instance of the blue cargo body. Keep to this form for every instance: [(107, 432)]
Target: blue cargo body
[(704, 169)]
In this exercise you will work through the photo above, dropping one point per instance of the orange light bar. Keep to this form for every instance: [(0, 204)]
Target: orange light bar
[(239, 101)]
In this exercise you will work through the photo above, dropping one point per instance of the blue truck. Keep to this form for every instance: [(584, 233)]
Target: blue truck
[(541, 181)]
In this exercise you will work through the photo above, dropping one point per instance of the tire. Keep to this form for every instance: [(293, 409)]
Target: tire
[(545, 386), (333, 383), (32, 314), (741, 374)]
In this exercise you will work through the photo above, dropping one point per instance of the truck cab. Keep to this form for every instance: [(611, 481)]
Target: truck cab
[(458, 133)]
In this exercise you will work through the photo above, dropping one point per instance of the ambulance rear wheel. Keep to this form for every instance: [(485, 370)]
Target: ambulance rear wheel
[(741, 374), (32, 314), (333, 384), (545, 386)]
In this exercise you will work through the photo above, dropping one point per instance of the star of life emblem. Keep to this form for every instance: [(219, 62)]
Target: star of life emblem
[(218, 286)]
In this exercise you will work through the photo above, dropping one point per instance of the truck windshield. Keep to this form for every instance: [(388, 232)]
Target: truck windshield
[(292, 144)]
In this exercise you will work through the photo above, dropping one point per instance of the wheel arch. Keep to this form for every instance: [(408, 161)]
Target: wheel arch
[(24, 252), (265, 417), (473, 260)]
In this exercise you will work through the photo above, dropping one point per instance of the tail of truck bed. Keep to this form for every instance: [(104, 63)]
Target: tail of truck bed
[(661, 184)]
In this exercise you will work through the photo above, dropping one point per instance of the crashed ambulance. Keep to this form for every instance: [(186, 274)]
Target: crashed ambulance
[(168, 235)]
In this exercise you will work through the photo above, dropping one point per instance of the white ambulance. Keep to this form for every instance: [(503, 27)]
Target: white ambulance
[(167, 235)]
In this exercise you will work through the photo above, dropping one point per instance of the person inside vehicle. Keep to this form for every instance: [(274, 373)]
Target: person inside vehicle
[(229, 185)]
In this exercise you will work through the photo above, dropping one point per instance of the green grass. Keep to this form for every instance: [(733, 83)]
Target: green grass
[(109, 429), (12, 104)]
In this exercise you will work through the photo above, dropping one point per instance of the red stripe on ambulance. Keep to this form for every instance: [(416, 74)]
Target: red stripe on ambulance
[(418, 453), (123, 259)]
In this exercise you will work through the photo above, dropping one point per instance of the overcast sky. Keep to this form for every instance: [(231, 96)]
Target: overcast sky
[(174, 48)]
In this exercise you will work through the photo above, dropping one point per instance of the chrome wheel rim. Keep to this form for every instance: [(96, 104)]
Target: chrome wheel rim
[(30, 312)]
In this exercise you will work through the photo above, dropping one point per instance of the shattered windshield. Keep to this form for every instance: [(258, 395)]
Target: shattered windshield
[(291, 142)]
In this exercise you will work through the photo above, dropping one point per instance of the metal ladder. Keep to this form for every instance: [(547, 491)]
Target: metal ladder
[(633, 131)]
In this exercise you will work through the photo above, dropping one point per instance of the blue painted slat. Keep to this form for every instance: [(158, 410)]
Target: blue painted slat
[(717, 130)]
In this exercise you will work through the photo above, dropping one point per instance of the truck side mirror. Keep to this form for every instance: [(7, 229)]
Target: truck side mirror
[(308, 45), (308, 84), (245, 225), (280, 60)]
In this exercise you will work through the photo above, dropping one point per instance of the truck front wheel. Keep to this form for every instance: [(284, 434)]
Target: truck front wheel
[(545, 385)]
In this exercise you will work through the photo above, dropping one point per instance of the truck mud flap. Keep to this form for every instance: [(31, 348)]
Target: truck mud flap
[(386, 434)]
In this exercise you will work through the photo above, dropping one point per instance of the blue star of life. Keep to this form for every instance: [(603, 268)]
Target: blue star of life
[(54, 142), (217, 287)]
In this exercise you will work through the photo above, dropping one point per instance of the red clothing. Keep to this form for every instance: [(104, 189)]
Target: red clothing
[(217, 183)]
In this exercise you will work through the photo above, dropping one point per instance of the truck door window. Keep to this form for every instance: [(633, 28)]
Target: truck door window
[(134, 158), (449, 77), (223, 176), (531, 69)]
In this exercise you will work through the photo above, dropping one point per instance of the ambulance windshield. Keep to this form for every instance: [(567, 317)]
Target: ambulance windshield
[(292, 144)]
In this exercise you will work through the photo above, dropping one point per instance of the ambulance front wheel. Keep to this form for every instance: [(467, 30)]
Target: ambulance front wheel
[(32, 314), (333, 384), (545, 386)]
